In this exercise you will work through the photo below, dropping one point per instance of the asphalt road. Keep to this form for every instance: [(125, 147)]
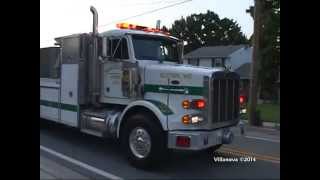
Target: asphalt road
[(106, 155)]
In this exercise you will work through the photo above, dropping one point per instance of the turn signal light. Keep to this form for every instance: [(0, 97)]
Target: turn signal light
[(192, 119), (186, 119), (194, 104), (186, 104)]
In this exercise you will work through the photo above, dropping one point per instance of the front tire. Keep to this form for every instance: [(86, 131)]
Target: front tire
[(143, 141)]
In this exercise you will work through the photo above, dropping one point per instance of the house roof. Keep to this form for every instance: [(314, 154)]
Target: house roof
[(214, 51), (244, 71)]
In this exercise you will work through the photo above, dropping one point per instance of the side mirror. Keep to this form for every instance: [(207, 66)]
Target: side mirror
[(180, 47), (104, 47)]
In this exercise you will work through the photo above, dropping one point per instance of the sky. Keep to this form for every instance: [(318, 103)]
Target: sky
[(65, 17)]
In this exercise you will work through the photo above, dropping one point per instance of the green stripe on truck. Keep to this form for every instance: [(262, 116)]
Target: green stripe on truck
[(189, 90), (67, 107)]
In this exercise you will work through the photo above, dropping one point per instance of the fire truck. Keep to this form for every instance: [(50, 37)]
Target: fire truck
[(130, 84)]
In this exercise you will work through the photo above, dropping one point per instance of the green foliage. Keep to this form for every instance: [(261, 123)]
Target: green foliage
[(268, 112), (207, 30), (270, 48)]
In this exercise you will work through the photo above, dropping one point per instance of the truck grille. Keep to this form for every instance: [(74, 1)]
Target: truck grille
[(225, 98)]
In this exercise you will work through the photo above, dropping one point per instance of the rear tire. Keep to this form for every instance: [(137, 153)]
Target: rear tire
[(142, 132)]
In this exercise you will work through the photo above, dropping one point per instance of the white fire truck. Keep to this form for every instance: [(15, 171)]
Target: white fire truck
[(130, 84)]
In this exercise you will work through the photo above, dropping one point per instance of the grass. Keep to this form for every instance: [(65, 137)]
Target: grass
[(268, 112)]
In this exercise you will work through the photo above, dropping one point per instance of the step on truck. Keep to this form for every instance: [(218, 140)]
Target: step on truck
[(130, 84)]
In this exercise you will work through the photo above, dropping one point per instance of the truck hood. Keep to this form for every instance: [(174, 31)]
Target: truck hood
[(186, 75)]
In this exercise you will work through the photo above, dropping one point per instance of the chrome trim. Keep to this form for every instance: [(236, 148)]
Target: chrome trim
[(175, 90), (96, 119), (198, 140), (219, 96), (207, 95), (140, 142), (233, 97), (226, 103)]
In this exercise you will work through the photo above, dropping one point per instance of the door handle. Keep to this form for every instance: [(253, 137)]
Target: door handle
[(175, 82)]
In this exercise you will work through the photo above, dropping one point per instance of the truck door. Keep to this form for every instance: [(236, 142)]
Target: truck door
[(112, 70), (69, 94)]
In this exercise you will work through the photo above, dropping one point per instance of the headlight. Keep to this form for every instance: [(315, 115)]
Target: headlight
[(192, 119)]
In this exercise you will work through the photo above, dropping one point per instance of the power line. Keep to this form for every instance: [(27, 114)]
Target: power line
[(148, 12), (148, 3)]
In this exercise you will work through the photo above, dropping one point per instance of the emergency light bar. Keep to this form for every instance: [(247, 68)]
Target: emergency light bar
[(140, 28)]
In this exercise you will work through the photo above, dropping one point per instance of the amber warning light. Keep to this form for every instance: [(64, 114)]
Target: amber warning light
[(140, 28)]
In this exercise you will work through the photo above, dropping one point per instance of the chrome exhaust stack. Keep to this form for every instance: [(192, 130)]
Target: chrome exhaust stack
[(94, 67), (95, 20)]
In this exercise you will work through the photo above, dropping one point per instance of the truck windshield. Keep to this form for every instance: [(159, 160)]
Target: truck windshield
[(155, 48)]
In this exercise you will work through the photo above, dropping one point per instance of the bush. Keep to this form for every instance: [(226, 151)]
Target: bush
[(258, 121)]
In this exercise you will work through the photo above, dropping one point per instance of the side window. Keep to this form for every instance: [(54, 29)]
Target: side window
[(49, 63), (120, 51)]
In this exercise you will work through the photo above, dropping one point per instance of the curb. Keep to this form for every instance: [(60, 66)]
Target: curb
[(274, 126)]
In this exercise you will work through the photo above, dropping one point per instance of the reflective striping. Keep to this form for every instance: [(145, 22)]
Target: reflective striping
[(67, 107), (190, 90), (49, 104)]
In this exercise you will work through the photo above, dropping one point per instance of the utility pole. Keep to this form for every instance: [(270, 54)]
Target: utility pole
[(255, 63), (158, 24)]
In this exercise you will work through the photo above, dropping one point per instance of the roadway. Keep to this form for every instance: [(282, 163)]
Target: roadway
[(104, 155)]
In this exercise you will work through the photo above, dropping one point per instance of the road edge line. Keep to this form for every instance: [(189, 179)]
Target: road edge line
[(263, 139), (81, 164)]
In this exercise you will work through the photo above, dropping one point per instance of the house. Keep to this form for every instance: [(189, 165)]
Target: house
[(236, 58), (244, 71), (232, 56)]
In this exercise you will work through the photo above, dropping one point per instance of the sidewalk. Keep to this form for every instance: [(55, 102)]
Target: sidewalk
[(267, 131), (267, 125), (261, 141), (52, 170)]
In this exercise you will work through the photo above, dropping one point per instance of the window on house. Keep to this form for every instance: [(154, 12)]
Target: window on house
[(218, 62), (193, 62), (205, 62)]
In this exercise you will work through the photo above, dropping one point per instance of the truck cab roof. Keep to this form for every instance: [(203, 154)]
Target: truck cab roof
[(118, 32), (122, 32)]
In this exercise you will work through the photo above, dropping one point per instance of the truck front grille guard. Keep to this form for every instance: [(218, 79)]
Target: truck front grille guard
[(223, 96)]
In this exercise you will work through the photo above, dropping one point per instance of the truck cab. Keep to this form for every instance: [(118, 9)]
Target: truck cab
[(130, 84)]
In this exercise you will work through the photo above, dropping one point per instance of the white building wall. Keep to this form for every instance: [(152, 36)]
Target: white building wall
[(205, 62), (239, 57), (185, 61)]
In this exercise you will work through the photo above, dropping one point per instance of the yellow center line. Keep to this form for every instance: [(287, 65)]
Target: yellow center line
[(245, 153)]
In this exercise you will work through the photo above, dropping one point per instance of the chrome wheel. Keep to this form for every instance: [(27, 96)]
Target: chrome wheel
[(140, 142)]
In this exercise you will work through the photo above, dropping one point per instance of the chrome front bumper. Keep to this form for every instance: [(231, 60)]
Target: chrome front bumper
[(200, 139)]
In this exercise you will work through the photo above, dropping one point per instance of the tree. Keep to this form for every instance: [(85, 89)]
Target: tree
[(207, 30), (270, 48)]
